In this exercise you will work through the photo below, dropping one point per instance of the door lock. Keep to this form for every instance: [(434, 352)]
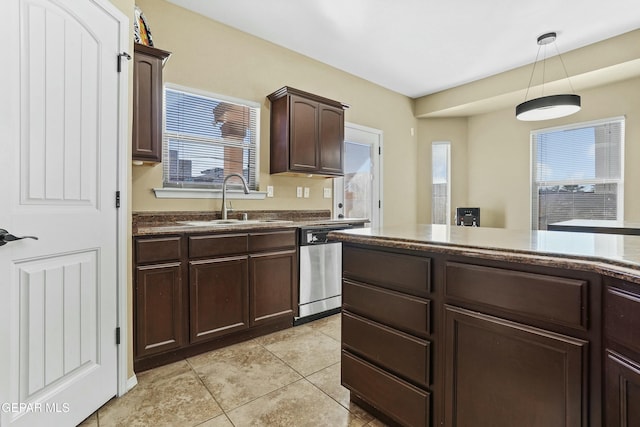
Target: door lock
[(6, 237)]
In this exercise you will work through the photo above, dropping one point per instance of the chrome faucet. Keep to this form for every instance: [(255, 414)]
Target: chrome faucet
[(223, 211)]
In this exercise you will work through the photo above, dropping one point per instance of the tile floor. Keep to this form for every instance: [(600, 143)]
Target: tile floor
[(288, 378)]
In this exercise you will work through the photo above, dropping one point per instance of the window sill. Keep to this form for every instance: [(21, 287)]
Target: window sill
[(201, 193)]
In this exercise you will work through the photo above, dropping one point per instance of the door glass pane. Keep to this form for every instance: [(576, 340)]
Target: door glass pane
[(358, 180)]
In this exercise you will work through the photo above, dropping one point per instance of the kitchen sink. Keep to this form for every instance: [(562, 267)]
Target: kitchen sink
[(227, 222)]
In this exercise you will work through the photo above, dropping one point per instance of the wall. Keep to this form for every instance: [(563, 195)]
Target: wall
[(455, 131), (254, 68), (496, 168)]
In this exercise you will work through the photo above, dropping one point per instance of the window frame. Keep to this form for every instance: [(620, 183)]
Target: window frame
[(211, 190), (534, 184), (448, 211)]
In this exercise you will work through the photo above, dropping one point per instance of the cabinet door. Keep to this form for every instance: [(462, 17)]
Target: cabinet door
[(303, 152), (273, 286), (502, 374), (622, 393), (331, 139), (147, 105), (218, 297), (159, 307)]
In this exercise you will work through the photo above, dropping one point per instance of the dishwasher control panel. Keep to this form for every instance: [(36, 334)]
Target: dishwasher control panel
[(318, 235)]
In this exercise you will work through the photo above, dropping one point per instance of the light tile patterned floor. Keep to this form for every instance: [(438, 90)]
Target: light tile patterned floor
[(288, 378)]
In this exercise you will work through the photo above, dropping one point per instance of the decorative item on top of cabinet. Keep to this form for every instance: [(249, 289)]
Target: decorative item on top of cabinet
[(147, 103), (307, 133)]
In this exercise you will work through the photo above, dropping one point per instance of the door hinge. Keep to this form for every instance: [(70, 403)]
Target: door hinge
[(379, 204), (380, 151), (120, 55), (117, 199), (117, 335)]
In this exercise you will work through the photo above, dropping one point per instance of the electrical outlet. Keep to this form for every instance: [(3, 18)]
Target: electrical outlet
[(269, 190), (299, 192), (327, 193), (306, 192)]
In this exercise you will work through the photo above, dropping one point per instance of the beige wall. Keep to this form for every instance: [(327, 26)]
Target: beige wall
[(496, 168), (453, 130), (254, 68)]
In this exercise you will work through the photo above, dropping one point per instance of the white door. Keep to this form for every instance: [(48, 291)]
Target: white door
[(59, 128), (359, 193)]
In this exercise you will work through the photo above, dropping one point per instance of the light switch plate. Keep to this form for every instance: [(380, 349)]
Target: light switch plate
[(306, 192), (327, 193), (299, 192), (269, 190)]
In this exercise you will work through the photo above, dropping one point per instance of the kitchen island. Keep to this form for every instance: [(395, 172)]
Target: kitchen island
[(460, 326)]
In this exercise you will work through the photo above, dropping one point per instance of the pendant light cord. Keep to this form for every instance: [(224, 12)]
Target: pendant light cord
[(533, 72), (544, 64), (564, 68)]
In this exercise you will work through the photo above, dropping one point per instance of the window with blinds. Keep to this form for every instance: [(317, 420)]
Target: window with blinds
[(577, 172), (440, 179), (206, 137)]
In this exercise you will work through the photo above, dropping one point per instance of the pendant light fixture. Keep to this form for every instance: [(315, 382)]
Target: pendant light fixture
[(551, 106)]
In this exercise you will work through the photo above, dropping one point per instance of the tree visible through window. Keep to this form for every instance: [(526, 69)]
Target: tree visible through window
[(206, 138), (577, 173)]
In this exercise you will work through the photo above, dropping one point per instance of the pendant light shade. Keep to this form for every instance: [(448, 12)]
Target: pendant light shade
[(551, 106), (548, 107)]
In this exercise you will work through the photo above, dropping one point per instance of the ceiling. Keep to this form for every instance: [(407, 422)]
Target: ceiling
[(419, 47)]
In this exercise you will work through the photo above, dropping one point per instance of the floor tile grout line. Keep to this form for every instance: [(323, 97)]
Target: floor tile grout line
[(210, 393), (260, 397)]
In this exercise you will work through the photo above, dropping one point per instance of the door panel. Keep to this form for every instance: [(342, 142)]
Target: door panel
[(359, 193), (60, 116)]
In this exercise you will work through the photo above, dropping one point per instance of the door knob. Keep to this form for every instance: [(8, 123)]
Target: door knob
[(6, 237)]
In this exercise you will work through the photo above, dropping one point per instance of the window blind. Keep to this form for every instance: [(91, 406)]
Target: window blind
[(206, 138), (577, 172)]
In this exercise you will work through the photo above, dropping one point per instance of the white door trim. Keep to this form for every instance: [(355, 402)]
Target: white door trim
[(124, 162), (338, 183)]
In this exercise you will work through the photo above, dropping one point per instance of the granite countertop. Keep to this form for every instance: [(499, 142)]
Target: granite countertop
[(610, 254), (159, 223)]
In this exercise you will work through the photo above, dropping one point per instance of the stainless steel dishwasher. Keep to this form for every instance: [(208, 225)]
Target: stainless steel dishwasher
[(320, 273)]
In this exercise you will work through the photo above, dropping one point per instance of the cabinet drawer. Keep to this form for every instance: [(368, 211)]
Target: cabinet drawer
[(407, 313), (407, 273), (217, 245), (551, 299), (401, 353), (158, 249), (398, 399), (272, 240), (622, 318)]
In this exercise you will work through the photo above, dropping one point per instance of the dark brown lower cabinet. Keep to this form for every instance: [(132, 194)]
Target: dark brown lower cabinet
[(218, 296), (159, 324), (273, 275), (198, 292), (502, 374), (622, 357), (622, 391), (402, 402)]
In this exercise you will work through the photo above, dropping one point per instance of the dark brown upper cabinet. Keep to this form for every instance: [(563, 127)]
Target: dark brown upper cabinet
[(307, 133), (147, 103)]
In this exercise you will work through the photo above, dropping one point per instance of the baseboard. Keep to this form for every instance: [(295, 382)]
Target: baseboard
[(132, 382)]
